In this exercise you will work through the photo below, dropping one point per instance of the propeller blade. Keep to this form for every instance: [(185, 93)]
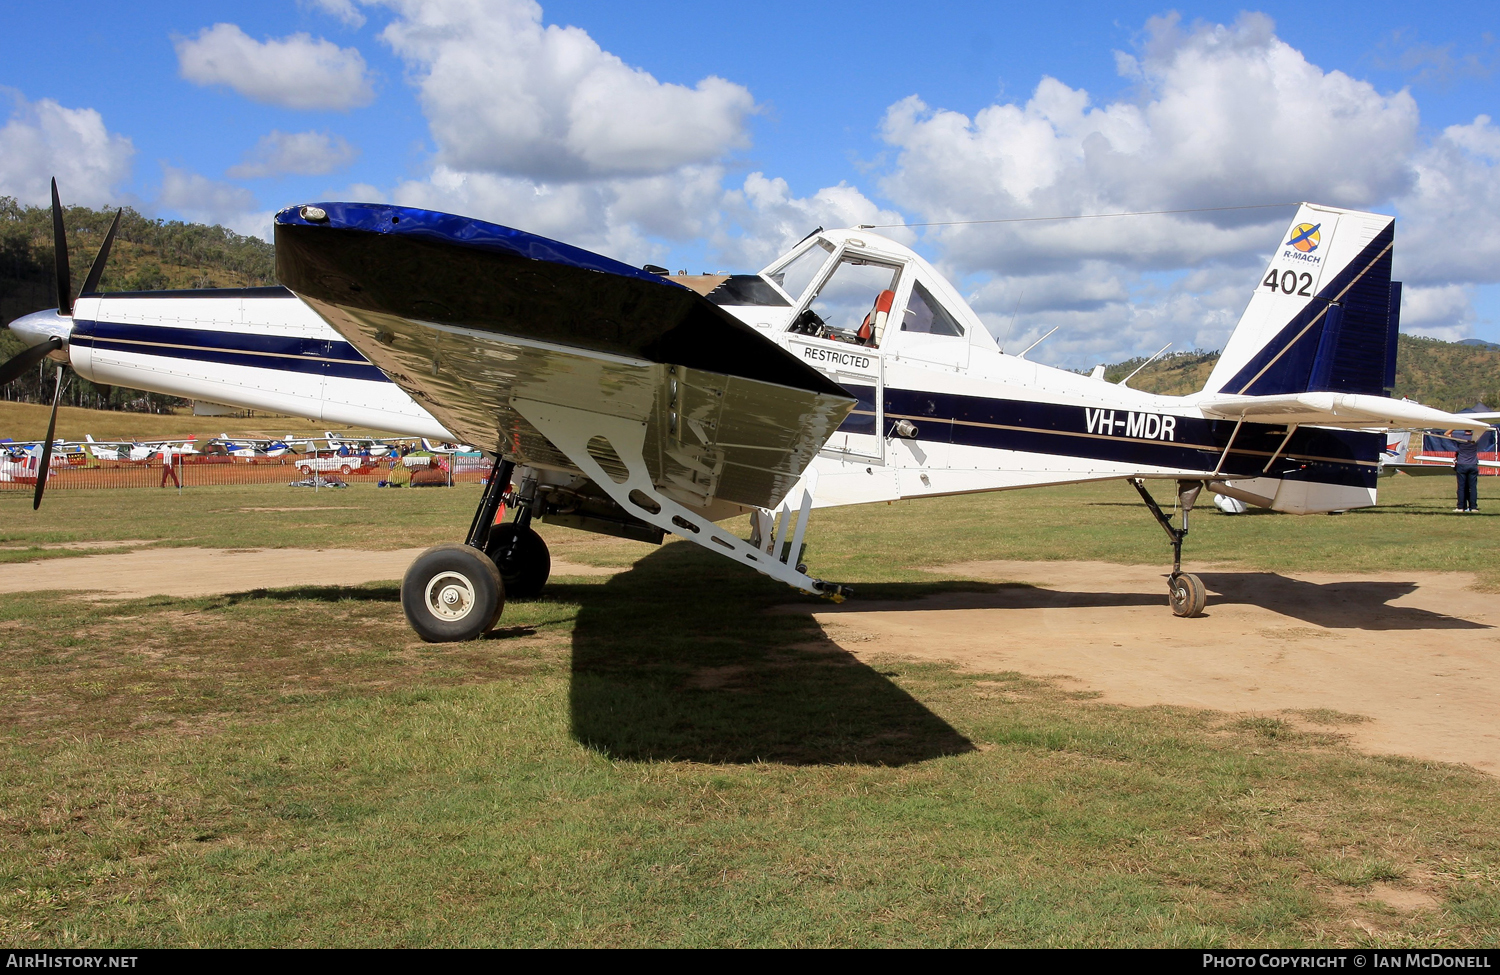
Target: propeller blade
[(60, 256), (24, 360), (44, 466), (91, 283)]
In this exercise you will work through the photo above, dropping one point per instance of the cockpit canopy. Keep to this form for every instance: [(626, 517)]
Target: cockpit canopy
[(862, 289)]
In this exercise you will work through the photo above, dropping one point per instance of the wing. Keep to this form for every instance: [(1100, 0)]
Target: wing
[(499, 333)]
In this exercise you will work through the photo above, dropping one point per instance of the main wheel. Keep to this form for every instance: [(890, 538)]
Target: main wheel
[(1187, 595), (522, 558), (452, 593)]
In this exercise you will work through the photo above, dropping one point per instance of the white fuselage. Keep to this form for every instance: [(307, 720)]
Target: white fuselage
[(942, 409), (273, 353), (252, 350)]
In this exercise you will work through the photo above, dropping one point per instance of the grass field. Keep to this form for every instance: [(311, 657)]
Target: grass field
[(655, 759)]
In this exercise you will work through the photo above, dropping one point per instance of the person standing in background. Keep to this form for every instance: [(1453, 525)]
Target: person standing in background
[(168, 466), (1466, 469)]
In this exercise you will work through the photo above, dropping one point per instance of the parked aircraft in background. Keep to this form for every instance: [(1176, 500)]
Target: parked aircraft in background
[(249, 447), (1436, 455), (137, 450), (358, 445), (849, 371)]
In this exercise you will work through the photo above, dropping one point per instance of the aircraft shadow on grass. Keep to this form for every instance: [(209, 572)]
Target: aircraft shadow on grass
[(1335, 605), (1351, 605), (678, 659)]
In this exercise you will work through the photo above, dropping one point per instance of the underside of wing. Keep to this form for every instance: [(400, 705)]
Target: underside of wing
[(477, 321)]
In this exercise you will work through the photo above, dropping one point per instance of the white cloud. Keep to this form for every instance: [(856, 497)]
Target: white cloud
[(506, 95), (1107, 313), (1218, 110), (1444, 311), (537, 127), (763, 219), (300, 153), (294, 72), (43, 139), (202, 200), (581, 213), (344, 10), (1219, 115), (1449, 230), (629, 217)]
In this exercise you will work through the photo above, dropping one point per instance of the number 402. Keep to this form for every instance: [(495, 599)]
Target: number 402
[(1289, 282)]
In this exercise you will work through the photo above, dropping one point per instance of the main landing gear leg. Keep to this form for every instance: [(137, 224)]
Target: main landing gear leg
[(1185, 591), (454, 592), (517, 550)]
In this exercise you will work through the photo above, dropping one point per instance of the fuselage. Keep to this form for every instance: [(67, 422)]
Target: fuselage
[(941, 409), (255, 348)]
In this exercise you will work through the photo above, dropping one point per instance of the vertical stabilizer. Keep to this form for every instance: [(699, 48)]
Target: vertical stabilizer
[(1323, 316)]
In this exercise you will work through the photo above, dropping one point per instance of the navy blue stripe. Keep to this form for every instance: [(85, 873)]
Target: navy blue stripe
[(1326, 456), (335, 358)]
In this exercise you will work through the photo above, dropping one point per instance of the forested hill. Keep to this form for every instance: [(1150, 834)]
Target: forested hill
[(148, 255), (1446, 375)]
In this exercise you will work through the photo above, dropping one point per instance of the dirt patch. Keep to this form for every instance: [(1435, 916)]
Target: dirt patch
[(1417, 653), (187, 572), (1403, 900)]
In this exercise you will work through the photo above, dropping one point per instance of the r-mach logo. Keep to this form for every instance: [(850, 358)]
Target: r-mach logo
[(1141, 426)]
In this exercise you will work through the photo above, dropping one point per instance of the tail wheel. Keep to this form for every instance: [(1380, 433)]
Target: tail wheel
[(1187, 594), (452, 593), (522, 558)]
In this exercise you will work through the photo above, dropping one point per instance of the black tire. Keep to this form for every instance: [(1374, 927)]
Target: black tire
[(522, 558), (1187, 594), (452, 593)]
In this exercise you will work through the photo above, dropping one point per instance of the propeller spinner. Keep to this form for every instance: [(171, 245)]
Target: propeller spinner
[(46, 333)]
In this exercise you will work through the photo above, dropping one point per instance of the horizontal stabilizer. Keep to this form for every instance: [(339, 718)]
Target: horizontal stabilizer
[(1351, 410)]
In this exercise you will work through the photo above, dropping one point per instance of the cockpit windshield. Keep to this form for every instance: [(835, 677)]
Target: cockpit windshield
[(795, 275)]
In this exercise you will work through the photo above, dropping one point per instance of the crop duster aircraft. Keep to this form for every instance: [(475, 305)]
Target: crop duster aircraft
[(622, 401)]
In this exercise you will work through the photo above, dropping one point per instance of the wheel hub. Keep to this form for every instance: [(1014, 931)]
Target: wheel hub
[(450, 596)]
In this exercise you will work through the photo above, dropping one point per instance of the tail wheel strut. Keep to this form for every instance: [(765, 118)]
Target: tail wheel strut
[(1185, 591)]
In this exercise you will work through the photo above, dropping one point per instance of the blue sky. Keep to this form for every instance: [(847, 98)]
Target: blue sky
[(1371, 105)]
